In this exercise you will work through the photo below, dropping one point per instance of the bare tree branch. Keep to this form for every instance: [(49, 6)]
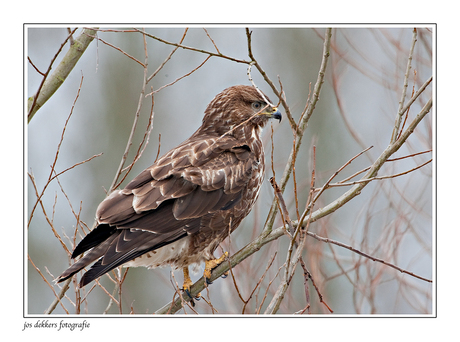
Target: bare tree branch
[(50, 84)]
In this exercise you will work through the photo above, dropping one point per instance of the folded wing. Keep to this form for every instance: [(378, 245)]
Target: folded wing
[(165, 203)]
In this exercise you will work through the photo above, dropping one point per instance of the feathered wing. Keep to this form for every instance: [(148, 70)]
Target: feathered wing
[(165, 203)]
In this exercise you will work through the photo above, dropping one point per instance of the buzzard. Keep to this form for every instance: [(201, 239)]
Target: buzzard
[(177, 211)]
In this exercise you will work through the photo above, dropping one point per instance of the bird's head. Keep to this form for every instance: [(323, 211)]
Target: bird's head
[(239, 105)]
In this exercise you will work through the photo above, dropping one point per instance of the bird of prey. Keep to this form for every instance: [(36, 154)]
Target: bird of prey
[(177, 211)]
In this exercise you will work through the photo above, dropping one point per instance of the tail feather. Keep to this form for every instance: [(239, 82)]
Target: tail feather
[(110, 261), (98, 235), (95, 254)]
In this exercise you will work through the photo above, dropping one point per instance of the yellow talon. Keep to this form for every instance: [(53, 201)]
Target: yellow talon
[(210, 265)]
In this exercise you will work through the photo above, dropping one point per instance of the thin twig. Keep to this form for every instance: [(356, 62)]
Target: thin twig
[(302, 126), (47, 282), (409, 155), (167, 58), (406, 115), (326, 185), (32, 105), (270, 263), (179, 78), (270, 83), (116, 48), (142, 146), (36, 69), (308, 275), (400, 114), (212, 41), (57, 152), (192, 48), (254, 85), (290, 265), (354, 250), (52, 82), (417, 94), (133, 128), (379, 177), (266, 291)]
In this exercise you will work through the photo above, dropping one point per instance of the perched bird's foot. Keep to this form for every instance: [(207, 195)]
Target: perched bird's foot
[(186, 289), (210, 265), (187, 284)]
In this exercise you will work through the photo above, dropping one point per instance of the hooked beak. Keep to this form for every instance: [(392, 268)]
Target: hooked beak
[(276, 114)]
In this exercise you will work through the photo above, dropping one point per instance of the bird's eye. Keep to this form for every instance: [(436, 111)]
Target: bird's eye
[(257, 105)]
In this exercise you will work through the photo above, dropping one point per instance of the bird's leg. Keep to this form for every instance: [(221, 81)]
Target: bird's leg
[(187, 281), (187, 284), (210, 264)]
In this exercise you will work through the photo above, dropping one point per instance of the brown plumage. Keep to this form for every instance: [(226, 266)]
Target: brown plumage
[(177, 211)]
